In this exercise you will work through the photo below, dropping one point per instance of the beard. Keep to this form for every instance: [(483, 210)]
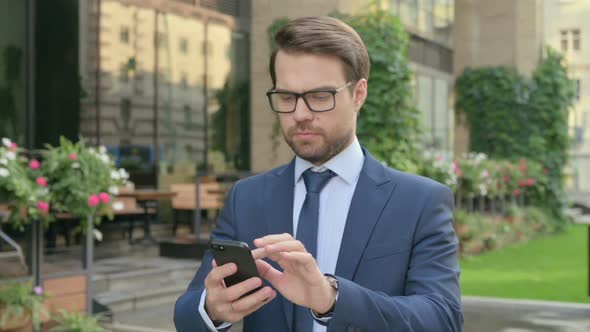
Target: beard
[(321, 148)]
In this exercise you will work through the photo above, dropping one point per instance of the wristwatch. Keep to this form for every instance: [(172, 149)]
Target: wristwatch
[(334, 283)]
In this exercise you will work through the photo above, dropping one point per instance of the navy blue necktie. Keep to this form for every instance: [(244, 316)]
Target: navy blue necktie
[(307, 233)]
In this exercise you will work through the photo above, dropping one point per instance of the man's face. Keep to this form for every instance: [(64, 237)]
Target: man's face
[(318, 136)]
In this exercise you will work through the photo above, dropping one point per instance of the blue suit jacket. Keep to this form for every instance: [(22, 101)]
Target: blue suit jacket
[(397, 267)]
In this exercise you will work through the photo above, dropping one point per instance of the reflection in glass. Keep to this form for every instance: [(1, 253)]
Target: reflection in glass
[(183, 101), (12, 70)]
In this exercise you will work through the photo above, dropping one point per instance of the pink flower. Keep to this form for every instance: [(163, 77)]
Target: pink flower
[(457, 169), (530, 182), (43, 206), (93, 200), (34, 164), (13, 146), (42, 181), (104, 197), (38, 290), (516, 192), (73, 156)]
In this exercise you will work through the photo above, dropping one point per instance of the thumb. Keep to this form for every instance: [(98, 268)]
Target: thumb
[(268, 272)]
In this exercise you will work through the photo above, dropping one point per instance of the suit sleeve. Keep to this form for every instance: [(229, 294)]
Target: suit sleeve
[(432, 299), (186, 310)]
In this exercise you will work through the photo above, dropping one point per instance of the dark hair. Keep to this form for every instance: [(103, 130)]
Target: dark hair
[(323, 36)]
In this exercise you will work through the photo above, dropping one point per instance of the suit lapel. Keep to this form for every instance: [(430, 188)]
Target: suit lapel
[(372, 192), (278, 198)]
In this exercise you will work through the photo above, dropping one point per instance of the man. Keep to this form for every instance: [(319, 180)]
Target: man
[(343, 242)]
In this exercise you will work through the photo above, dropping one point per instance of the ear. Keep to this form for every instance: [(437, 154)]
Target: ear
[(360, 94)]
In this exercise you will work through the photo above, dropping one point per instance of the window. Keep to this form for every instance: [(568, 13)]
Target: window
[(162, 40), (188, 117), (124, 73), (578, 89), (576, 39), (183, 81), (564, 40), (125, 112), (183, 45), (124, 35)]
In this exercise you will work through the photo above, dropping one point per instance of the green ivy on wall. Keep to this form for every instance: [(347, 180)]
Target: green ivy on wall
[(231, 127), (510, 117), (389, 123)]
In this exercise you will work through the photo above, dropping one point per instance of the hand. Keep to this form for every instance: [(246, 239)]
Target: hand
[(224, 304), (301, 281)]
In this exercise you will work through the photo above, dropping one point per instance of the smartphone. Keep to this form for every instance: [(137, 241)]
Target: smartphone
[(237, 252)]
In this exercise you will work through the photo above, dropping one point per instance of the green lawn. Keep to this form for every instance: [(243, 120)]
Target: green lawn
[(553, 268)]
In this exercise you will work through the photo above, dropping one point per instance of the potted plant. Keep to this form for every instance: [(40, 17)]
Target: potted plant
[(21, 306), (23, 185), (82, 179), (76, 322)]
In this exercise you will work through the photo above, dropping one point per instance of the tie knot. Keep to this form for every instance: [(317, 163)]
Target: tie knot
[(315, 182)]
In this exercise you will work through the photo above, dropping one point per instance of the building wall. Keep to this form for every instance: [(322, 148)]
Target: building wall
[(492, 33), (562, 18)]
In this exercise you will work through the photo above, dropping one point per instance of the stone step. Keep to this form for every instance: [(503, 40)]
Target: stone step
[(134, 282), (136, 299), (143, 278), (119, 327)]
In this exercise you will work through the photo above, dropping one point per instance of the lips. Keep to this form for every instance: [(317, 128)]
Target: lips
[(305, 134)]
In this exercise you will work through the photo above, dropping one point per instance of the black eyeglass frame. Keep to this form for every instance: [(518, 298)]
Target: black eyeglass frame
[(302, 96)]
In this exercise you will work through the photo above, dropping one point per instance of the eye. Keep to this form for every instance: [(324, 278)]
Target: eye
[(286, 97), (320, 96)]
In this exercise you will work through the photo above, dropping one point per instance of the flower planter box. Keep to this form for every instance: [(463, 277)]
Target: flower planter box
[(67, 293), (17, 324)]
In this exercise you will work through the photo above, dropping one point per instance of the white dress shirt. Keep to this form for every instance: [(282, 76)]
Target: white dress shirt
[(335, 201)]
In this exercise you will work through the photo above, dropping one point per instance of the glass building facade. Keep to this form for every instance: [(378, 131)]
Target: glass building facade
[(13, 70), (159, 79), (430, 27)]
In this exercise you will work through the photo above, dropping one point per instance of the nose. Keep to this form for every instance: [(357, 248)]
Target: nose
[(302, 112)]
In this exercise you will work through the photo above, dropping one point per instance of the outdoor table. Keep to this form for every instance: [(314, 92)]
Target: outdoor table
[(144, 198)]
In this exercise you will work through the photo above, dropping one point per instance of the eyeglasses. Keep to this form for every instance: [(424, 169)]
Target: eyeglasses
[(316, 100)]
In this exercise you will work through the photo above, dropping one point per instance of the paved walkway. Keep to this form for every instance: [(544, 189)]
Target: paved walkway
[(481, 315), (501, 315)]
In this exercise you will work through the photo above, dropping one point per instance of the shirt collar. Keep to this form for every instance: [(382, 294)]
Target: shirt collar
[(347, 164)]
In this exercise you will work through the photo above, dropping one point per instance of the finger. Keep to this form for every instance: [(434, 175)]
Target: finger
[(268, 272), (259, 305), (289, 246), (251, 301), (213, 263), (234, 292), (216, 275), (300, 259), (270, 239), (259, 253)]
